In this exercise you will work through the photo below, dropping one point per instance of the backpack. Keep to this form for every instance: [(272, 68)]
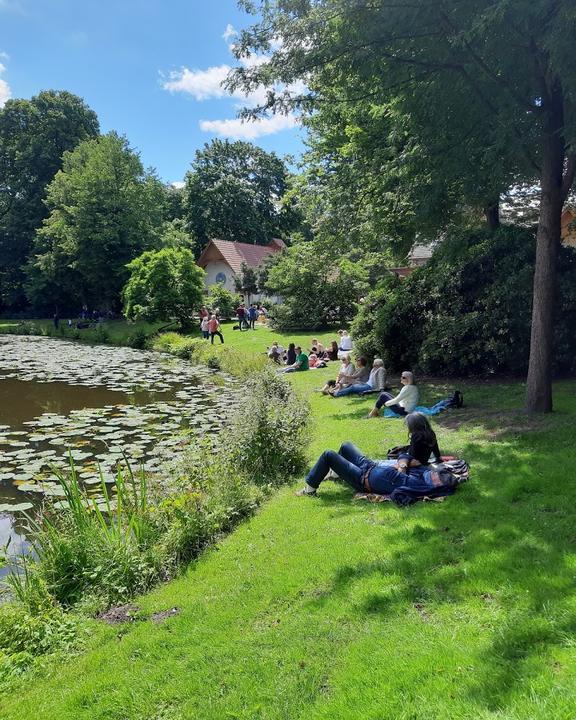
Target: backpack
[(456, 400)]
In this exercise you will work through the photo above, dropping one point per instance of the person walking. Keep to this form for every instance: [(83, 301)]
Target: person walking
[(214, 329)]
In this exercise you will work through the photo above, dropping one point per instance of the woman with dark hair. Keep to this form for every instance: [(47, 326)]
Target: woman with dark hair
[(423, 442), (332, 351), (291, 354)]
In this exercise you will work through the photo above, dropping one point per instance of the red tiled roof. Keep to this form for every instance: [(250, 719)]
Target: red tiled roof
[(235, 253)]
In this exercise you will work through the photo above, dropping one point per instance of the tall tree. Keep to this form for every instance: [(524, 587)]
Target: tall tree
[(105, 210), (235, 191), (34, 134), (164, 284), (438, 66)]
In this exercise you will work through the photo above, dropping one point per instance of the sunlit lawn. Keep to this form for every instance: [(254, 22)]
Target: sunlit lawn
[(324, 608)]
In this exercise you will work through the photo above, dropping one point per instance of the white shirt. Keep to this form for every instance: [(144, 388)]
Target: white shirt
[(407, 398), (377, 379), (345, 342)]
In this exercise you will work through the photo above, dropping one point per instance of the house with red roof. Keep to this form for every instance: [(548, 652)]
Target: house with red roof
[(222, 260)]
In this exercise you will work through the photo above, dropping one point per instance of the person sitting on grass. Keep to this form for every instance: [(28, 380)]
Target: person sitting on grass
[(345, 342), (366, 475), (301, 362), (332, 351), (275, 352), (423, 442), (376, 381), (346, 368), (291, 354), (359, 375), (404, 402)]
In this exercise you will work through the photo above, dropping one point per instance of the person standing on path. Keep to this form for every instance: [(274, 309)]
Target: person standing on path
[(214, 329)]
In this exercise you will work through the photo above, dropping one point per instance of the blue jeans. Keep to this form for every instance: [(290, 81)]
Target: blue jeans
[(384, 397), (355, 389), (350, 465)]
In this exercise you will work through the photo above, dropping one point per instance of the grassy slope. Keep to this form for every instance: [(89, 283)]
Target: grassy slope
[(323, 608)]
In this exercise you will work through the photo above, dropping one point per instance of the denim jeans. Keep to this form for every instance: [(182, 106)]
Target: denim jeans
[(350, 465), (384, 397), (355, 389), (212, 334)]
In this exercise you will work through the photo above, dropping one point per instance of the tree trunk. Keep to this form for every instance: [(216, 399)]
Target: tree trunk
[(539, 381), (492, 215)]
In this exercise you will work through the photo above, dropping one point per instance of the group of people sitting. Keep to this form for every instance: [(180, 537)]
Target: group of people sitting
[(295, 358)]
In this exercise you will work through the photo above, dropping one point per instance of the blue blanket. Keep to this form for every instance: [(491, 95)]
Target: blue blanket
[(434, 410)]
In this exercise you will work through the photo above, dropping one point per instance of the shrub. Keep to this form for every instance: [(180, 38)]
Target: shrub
[(468, 311), (268, 437), (100, 334), (320, 286), (139, 339), (25, 635), (224, 300)]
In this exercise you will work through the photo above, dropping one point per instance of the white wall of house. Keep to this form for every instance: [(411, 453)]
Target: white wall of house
[(213, 269), (218, 266)]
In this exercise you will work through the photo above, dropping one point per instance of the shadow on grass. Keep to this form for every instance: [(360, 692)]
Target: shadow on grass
[(507, 540)]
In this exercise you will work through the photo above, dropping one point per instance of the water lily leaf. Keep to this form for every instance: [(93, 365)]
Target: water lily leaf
[(15, 507)]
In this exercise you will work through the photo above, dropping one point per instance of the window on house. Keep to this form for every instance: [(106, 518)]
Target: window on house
[(221, 278)]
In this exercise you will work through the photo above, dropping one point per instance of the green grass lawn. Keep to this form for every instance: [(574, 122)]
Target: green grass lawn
[(324, 608)]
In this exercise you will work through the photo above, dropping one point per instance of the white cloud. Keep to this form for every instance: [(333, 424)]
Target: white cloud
[(201, 84), (238, 129), (178, 184), (5, 92), (209, 85), (229, 33)]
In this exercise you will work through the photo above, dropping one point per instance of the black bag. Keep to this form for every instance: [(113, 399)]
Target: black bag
[(395, 452), (456, 401)]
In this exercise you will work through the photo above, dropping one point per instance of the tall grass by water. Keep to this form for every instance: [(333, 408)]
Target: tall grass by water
[(89, 555)]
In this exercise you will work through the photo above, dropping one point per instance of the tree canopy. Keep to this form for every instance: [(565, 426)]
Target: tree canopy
[(455, 100), (104, 211), (34, 134), (235, 191), (164, 284)]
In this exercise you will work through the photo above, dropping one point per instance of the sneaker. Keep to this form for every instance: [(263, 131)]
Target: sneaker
[(306, 490)]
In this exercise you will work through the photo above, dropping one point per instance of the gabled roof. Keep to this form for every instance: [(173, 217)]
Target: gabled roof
[(235, 253)]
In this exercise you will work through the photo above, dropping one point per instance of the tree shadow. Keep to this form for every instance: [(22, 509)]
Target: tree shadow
[(505, 539)]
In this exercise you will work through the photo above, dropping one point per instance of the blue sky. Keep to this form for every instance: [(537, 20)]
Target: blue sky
[(151, 69)]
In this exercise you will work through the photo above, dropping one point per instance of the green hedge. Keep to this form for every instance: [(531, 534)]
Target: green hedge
[(468, 311)]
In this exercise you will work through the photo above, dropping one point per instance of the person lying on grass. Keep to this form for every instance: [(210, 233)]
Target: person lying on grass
[(404, 402), (380, 477)]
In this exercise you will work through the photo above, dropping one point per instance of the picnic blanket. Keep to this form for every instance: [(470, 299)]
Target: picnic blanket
[(434, 410)]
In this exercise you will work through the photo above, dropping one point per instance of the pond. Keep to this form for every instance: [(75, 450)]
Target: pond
[(101, 406)]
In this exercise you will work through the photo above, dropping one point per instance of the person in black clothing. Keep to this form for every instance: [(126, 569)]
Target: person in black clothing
[(423, 442), (291, 354)]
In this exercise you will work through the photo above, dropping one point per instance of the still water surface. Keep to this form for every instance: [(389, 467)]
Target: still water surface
[(98, 405)]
